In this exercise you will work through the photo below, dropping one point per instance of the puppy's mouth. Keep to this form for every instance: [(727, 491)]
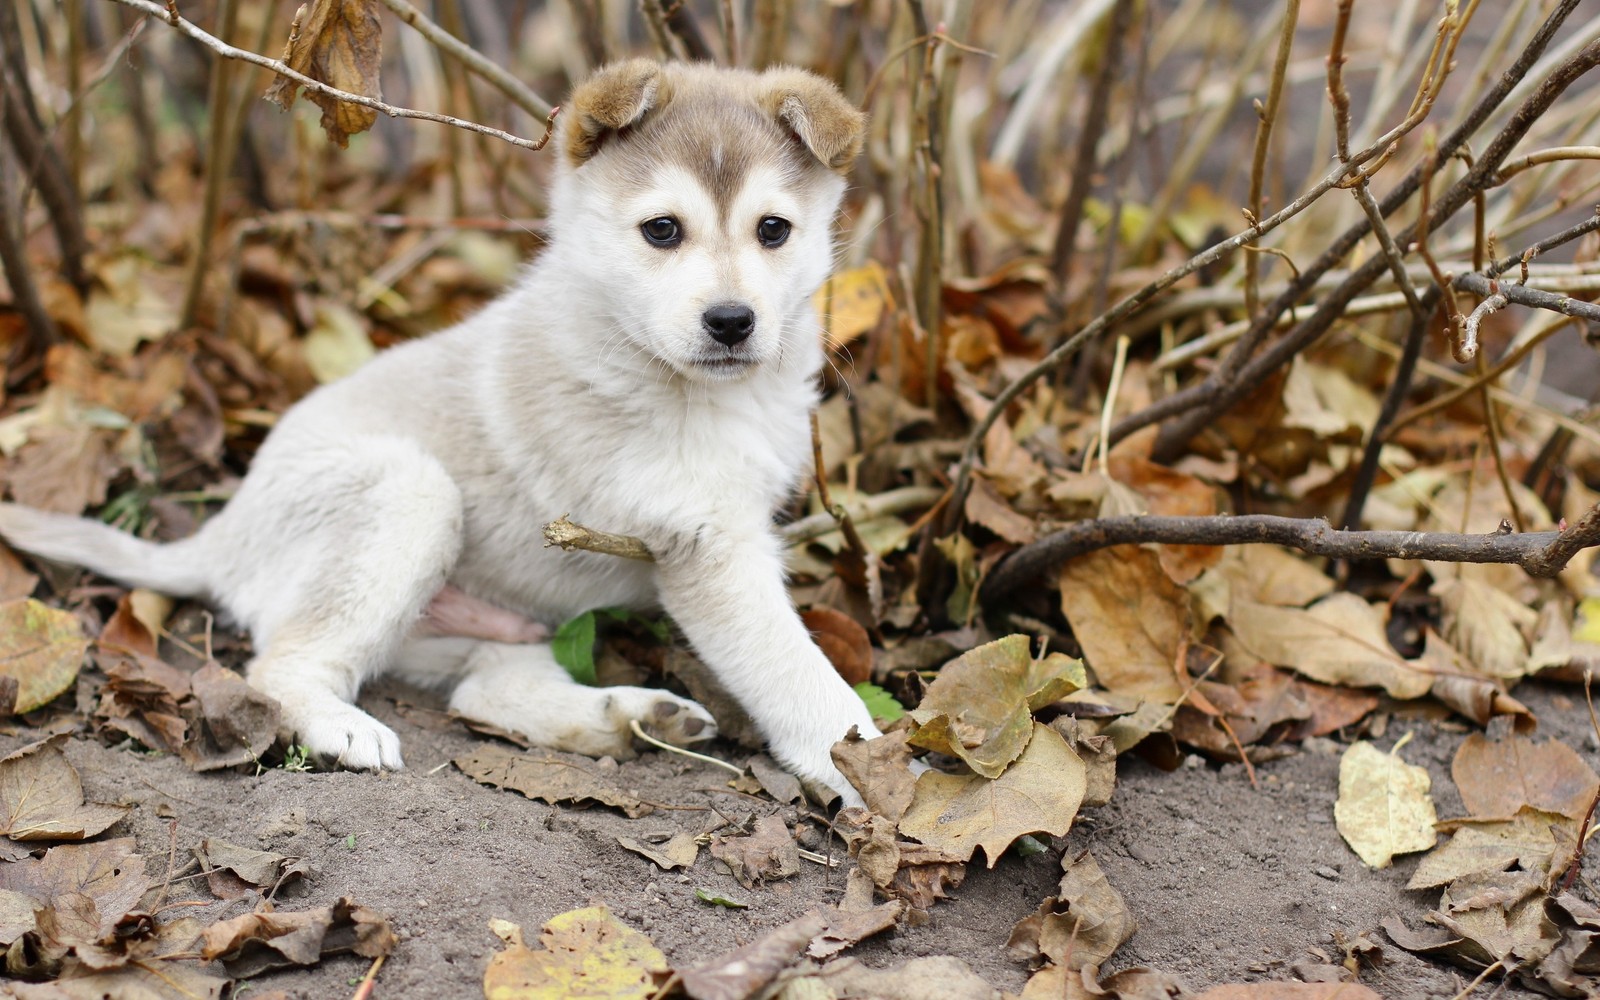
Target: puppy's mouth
[(726, 363)]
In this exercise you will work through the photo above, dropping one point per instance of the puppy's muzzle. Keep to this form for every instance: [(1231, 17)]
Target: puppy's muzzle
[(730, 323)]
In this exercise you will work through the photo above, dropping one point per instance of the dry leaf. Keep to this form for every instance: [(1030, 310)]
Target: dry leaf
[(1338, 640), (843, 640), (848, 929), (63, 468), (149, 980), (852, 302), (919, 979), (1486, 624), (1526, 839), (230, 722), (880, 769), (255, 942), (41, 649), (774, 780), (16, 582), (1039, 793), (41, 797), (1499, 777), (339, 43), (106, 876), (769, 853), (552, 778), (678, 851), (583, 953), (231, 870), (1130, 618), (1383, 808), (1084, 924), (985, 506), (1289, 991), (980, 707), (745, 972), (140, 699), (1170, 493)]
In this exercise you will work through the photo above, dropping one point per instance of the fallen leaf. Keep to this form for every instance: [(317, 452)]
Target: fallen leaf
[(41, 649), (1497, 917), (745, 972), (41, 797), (679, 851), (582, 953), (149, 980), (1526, 840), (551, 777), (775, 781), (1082, 925), (1039, 793), (848, 929), (990, 694), (233, 869), (1383, 807), (16, 582), (718, 899), (1130, 618), (1338, 640), (1486, 624), (106, 875), (64, 468), (852, 302), (230, 722), (1171, 493), (140, 700), (337, 343), (125, 632), (986, 507), (339, 43), (1499, 777), (769, 853), (133, 300), (1261, 574), (880, 769), (843, 640), (255, 942)]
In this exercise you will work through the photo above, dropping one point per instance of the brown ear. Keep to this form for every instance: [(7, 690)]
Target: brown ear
[(613, 98), (819, 116)]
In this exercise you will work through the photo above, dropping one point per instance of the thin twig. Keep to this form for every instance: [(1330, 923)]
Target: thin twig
[(569, 536), (1540, 553), (1266, 117), (227, 51)]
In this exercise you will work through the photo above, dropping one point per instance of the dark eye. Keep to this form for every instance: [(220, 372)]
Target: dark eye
[(772, 232), (662, 231)]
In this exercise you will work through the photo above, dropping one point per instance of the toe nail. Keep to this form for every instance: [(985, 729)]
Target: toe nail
[(693, 727), (664, 709)]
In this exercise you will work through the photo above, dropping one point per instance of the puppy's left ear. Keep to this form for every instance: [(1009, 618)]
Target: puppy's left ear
[(812, 108)]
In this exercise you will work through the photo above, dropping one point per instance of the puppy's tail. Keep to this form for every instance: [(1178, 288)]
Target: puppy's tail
[(173, 569)]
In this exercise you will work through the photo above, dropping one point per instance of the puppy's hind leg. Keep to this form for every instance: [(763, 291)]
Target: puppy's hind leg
[(522, 688), (377, 536)]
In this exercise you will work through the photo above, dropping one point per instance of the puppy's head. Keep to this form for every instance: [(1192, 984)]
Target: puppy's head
[(697, 205)]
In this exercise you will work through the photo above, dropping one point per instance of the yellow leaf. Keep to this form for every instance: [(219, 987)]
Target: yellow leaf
[(1383, 807), (1588, 629), (991, 692), (338, 343), (1039, 793), (1339, 640), (41, 649), (1486, 624), (852, 302), (584, 953)]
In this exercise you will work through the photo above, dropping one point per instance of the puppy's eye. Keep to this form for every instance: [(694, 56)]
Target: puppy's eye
[(662, 231), (772, 232)]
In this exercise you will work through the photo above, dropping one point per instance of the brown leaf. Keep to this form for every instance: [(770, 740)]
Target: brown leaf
[(843, 640), (745, 972), (1499, 777), (89, 887), (140, 699), (63, 468), (769, 853), (1486, 624), (1338, 640), (919, 979), (1528, 839), (339, 43), (255, 942), (846, 930), (149, 980), (15, 580), (678, 851), (125, 632), (552, 778), (986, 507), (1039, 793), (230, 722), (980, 707), (245, 868), (1130, 618), (880, 769), (775, 781), (41, 797), (41, 649), (1289, 991)]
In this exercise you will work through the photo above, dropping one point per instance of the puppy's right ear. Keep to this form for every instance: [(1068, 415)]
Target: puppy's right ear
[(614, 98)]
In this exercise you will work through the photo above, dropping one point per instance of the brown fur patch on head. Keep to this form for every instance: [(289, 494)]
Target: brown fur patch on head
[(613, 98), (817, 113)]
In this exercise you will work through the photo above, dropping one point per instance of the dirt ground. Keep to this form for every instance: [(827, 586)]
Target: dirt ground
[(1228, 882)]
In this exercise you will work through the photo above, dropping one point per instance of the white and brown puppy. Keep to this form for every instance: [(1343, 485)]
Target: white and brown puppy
[(651, 374)]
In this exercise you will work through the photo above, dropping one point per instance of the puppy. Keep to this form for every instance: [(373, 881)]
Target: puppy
[(651, 374)]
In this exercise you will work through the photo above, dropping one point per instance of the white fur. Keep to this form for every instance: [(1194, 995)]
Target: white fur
[(583, 391)]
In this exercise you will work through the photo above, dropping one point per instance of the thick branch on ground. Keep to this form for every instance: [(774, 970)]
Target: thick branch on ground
[(1540, 553), (256, 59)]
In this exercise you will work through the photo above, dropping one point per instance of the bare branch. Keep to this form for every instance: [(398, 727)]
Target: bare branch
[(1540, 553), (571, 536), (492, 73), (227, 51)]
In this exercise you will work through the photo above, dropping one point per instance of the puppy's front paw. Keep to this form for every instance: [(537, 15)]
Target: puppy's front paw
[(342, 735), (663, 715)]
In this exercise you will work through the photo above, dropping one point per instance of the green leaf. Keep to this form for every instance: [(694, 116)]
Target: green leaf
[(573, 647), (715, 899), (879, 702)]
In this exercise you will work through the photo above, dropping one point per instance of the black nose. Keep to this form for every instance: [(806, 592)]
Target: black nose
[(729, 323)]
